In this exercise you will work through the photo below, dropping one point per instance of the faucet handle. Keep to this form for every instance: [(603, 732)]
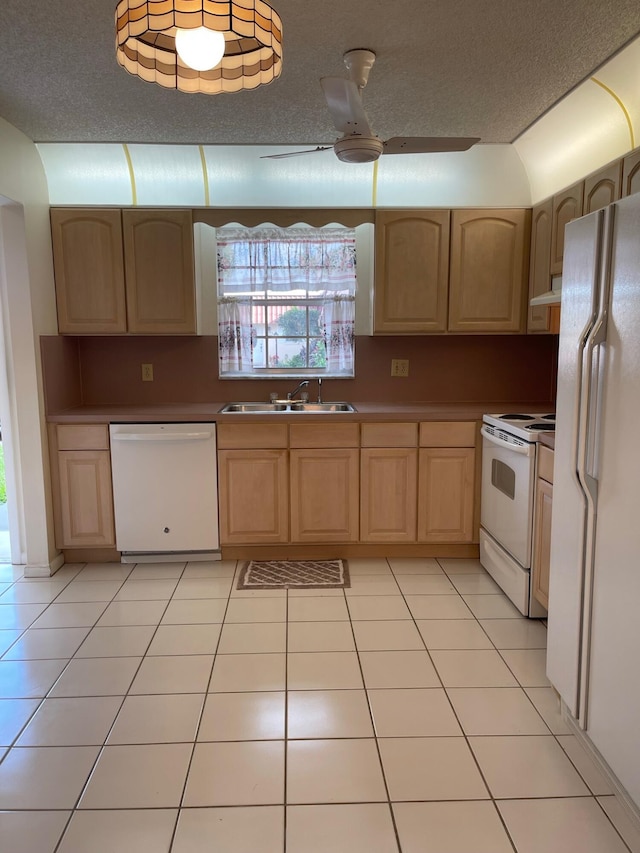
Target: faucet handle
[(273, 396)]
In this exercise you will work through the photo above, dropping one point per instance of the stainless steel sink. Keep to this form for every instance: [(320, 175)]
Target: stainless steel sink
[(255, 408), (322, 407), (286, 407)]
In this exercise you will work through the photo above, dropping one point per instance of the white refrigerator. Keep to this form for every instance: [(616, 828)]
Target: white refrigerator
[(594, 596)]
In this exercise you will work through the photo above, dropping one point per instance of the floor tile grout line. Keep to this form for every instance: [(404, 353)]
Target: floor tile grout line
[(606, 814), (472, 752), (464, 734), (285, 805), (199, 723), (42, 698), (551, 733), (103, 747)]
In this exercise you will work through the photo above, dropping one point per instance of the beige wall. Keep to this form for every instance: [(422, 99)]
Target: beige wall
[(28, 301)]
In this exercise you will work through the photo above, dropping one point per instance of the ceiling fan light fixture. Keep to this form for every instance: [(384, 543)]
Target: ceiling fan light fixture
[(146, 43), (358, 149)]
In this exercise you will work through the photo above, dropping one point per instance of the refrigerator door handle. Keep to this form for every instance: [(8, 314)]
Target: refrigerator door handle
[(591, 404)]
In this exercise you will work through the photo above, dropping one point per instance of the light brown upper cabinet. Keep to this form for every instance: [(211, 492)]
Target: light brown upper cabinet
[(89, 270), (123, 271), (631, 174), (489, 270), (412, 270), (567, 206), (540, 261), (602, 188), (158, 253)]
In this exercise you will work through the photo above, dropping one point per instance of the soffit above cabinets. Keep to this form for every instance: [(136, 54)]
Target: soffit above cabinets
[(596, 123)]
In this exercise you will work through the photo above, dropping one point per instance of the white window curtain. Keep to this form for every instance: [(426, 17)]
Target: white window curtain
[(235, 332), (339, 325), (314, 265)]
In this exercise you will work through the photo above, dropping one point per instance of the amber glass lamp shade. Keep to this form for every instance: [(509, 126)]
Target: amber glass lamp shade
[(146, 43)]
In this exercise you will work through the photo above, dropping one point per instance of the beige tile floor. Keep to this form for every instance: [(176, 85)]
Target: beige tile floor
[(156, 708)]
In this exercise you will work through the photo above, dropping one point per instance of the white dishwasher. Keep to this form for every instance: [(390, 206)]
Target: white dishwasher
[(165, 491)]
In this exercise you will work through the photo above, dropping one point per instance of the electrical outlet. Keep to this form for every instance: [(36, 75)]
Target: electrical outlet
[(147, 373), (399, 366)]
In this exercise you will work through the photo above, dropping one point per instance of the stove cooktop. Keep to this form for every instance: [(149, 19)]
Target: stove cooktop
[(524, 425)]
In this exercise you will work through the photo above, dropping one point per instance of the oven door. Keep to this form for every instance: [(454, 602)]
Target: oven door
[(507, 495)]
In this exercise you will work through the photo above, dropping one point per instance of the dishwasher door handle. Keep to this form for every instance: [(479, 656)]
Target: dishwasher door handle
[(161, 436)]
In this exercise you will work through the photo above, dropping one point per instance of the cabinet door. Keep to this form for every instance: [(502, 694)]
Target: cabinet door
[(388, 494), (445, 494), (324, 495), (602, 188), (542, 542), (631, 174), (159, 266), (89, 271), (85, 499), (567, 206), (539, 265), (489, 270), (411, 271), (254, 496)]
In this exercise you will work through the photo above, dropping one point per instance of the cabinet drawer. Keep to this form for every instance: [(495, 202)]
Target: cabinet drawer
[(545, 463), (324, 435), (259, 436), (448, 434), (82, 436), (389, 435)]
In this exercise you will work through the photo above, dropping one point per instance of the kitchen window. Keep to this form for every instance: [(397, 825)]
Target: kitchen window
[(286, 301)]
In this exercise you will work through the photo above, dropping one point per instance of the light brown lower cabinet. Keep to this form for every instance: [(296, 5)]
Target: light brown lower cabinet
[(542, 527), (445, 494), (254, 496), (81, 486), (388, 494), (325, 497), (86, 499)]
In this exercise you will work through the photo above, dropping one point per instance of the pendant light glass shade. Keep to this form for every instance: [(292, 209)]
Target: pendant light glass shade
[(146, 43), (200, 48)]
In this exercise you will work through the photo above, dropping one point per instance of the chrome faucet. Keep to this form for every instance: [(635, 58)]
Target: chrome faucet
[(319, 389), (298, 387)]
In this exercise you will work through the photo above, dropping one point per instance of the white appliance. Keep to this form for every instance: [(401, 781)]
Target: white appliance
[(165, 491), (509, 444), (594, 594)]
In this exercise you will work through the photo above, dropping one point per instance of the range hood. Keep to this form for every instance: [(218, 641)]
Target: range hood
[(551, 297)]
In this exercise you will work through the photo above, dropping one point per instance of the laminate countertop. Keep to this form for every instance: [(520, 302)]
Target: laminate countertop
[(365, 411)]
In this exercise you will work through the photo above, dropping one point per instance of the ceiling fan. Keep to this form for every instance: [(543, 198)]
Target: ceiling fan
[(358, 143)]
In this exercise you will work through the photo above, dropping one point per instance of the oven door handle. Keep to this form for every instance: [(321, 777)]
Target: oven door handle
[(523, 449)]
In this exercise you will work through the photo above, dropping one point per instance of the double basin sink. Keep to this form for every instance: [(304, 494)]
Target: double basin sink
[(286, 407)]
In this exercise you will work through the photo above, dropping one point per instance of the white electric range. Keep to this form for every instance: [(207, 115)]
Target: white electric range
[(509, 454)]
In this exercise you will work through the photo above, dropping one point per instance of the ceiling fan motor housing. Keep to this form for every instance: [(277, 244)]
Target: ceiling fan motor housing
[(358, 149)]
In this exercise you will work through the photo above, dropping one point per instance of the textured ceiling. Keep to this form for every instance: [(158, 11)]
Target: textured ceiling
[(484, 68)]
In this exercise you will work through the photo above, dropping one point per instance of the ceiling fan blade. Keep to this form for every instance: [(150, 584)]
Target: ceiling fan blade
[(345, 105), (295, 153), (428, 144)]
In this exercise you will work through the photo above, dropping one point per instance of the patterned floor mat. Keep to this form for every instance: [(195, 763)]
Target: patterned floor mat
[(292, 574)]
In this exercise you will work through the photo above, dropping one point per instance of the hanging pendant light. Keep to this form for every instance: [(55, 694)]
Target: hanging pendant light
[(239, 44)]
